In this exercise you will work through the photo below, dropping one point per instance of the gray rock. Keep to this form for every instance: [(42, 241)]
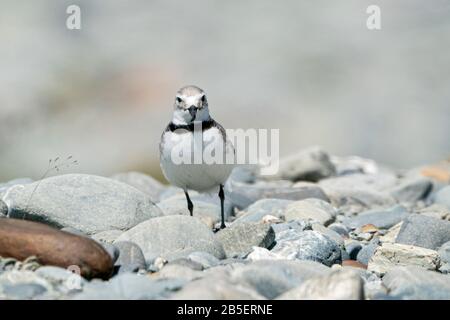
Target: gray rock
[(173, 237), (270, 278), (261, 208), (178, 271), (423, 231), (311, 209), (3, 208), (443, 197), (295, 226), (243, 194), (371, 182), (367, 251), (308, 245), (146, 184), (178, 206), (64, 279), (88, 203), (74, 231), (310, 164), (437, 211), (382, 219), (207, 260), (444, 255), (238, 240), (415, 283), (333, 235), (4, 187), (108, 236), (186, 262), (338, 285), (131, 258), (412, 189), (129, 286), (353, 248), (23, 291), (353, 164), (340, 228)]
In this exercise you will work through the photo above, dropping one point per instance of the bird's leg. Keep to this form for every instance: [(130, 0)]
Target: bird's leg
[(222, 198), (189, 203)]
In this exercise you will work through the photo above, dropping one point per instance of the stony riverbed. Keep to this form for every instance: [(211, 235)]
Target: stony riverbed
[(325, 227)]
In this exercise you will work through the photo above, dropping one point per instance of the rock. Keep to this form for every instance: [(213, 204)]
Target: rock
[(216, 288), (295, 227), (21, 239), (352, 165), (353, 264), (382, 219), (3, 208), (261, 208), (415, 283), (390, 255), (338, 285), (333, 235), (129, 286), (243, 194), (339, 228), (270, 278), (146, 184), (173, 237), (367, 251), (108, 236), (308, 245), (74, 231), (392, 233), (176, 271), (238, 240), (310, 164), (88, 203), (444, 255), (259, 253), (311, 209), (206, 260), (112, 251), (423, 231), (443, 197), (353, 248), (64, 279), (24, 284), (412, 189), (437, 211), (5, 187), (131, 258), (24, 291), (370, 182)]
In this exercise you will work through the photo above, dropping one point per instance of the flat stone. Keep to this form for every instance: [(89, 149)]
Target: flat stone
[(390, 255), (238, 240), (423, 231), (367, 251), (172, 237), (443, 197), (145, 183), (108, 236), (382, 219), (131, 258), (88, 203), (207, 260), (21, 239), (261, 208), (310, 164), (338, 285), (311, 209), (412, 189), (308, 245), (415, 283)]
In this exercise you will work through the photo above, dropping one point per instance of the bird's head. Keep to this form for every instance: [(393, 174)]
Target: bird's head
[(190, 105)]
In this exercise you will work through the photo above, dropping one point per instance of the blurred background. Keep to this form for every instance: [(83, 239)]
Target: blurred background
[(103, 94)]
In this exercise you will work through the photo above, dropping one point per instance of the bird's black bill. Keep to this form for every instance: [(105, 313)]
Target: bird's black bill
[(193, 112)]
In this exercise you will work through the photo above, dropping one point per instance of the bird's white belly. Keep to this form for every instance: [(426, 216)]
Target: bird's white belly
[(200, 173)]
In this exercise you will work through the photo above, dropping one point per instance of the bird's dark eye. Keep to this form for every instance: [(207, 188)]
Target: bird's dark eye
[(203, 99), (179, 100)]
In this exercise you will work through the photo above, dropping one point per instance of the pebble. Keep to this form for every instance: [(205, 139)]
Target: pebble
[(238, 240), (131, 258), (383, 219), (423, 231), (353, 248), (88, 203), (390, 255), (412, 189), (311, 209), (367, 251), (173, 237), (144, 183)]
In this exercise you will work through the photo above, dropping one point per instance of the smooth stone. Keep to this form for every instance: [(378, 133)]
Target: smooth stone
[(24, 291), (238, 240), (172, 237), (371, 182), (177, 271), (145, 183), (131, 258), (390, 255), (261, 208), (311, 209), (308, 245), (437, 211), (186, 262), (108, 236), (354, 164), (412, 189), (216, 287), (270, 278), (415, 283), (85, 202), (207, 260), (353, 248), (340, 228), (382, 219), (367, 251), (444, 253), (129, 286), (311, 164), (243, 195), (112, 250), (4, 187), (338, 285), (443, 197), (3, 208), (21, 239), (423, 231), (69, 279)]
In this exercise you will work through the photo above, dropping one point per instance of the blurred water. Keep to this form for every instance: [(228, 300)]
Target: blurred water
[(104, 93)]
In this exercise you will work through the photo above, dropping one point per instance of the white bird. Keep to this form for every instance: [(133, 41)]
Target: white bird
[(192, 132)]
